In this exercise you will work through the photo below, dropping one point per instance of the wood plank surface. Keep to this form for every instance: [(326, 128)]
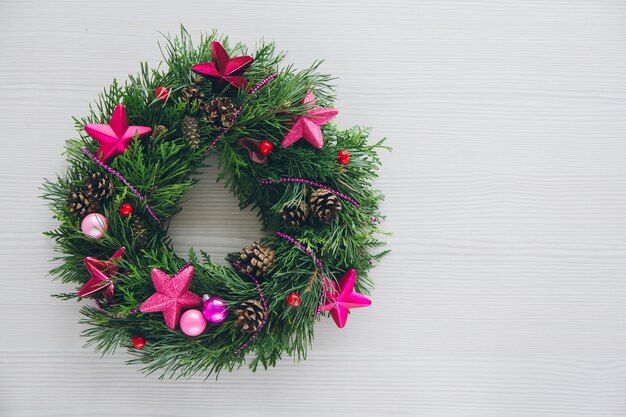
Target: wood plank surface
[(505, 293)]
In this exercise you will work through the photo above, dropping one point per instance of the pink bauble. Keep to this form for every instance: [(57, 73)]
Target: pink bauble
[(215, 309), (192, 323), (94, 225)]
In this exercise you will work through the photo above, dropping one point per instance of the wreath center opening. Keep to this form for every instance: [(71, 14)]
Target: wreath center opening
[(211, 221)]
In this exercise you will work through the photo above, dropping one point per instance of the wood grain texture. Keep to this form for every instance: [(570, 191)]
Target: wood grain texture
[(505, 293)]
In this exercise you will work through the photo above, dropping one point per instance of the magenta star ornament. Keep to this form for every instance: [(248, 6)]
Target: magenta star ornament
[(115, 137), (340, 298), (308, 125), (172, 295), (101, 273), (225, 69)]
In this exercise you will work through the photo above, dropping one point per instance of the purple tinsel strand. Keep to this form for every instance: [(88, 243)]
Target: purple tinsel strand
[(311, 183), (318, 263), (125, 181), (254, 90)]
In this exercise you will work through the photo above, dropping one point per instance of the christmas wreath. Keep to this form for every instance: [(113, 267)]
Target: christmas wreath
[(138, 151)]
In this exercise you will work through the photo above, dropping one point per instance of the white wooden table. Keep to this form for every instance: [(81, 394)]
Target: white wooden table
[(505, 293)]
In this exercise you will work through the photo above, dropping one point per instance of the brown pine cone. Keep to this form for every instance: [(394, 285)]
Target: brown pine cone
[(257, 259), (294, 216), (158, 131), (98, 186), (250, 315), (192, 92), (80, 205), (324, 205), (191, 131), (140, 232), (220, 112)]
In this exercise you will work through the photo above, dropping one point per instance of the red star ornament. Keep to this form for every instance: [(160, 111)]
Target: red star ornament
[(340, 298), (115, 137), (172, 295), (101, 273), (308, 125), (224, 68)]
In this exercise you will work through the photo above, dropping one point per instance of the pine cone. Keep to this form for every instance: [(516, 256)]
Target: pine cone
[(294, 216), (140, 232), (257, 259), (158, 131), (250, 316), (98, 187), (220, 112), (80, 205), (191, 131), (192, 92), (324, 205)]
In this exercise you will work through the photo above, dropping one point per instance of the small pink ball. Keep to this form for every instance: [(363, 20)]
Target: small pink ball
[(94, 225), (192, 323)]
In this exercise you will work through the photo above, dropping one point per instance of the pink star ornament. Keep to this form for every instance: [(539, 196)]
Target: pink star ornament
[(115, 137), (101, 274), (223, 68), (308, 125), (171, 296), (340, 298)]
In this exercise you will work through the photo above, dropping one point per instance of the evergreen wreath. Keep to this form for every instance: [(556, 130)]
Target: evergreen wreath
[(143, 145)]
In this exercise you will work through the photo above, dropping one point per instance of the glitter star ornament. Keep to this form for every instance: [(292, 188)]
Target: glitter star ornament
[(115, 137), (224, 69), (101, 273), (308, 125), (172, 295), (340, 298)]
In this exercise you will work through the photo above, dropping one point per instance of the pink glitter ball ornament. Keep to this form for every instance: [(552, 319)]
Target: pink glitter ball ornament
[(94, 225)]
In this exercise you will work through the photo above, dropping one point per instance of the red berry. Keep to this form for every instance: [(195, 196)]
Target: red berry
[(139, 342), (343, 157), (126, 209), (293, 300), (266, 147), (162, 93)]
